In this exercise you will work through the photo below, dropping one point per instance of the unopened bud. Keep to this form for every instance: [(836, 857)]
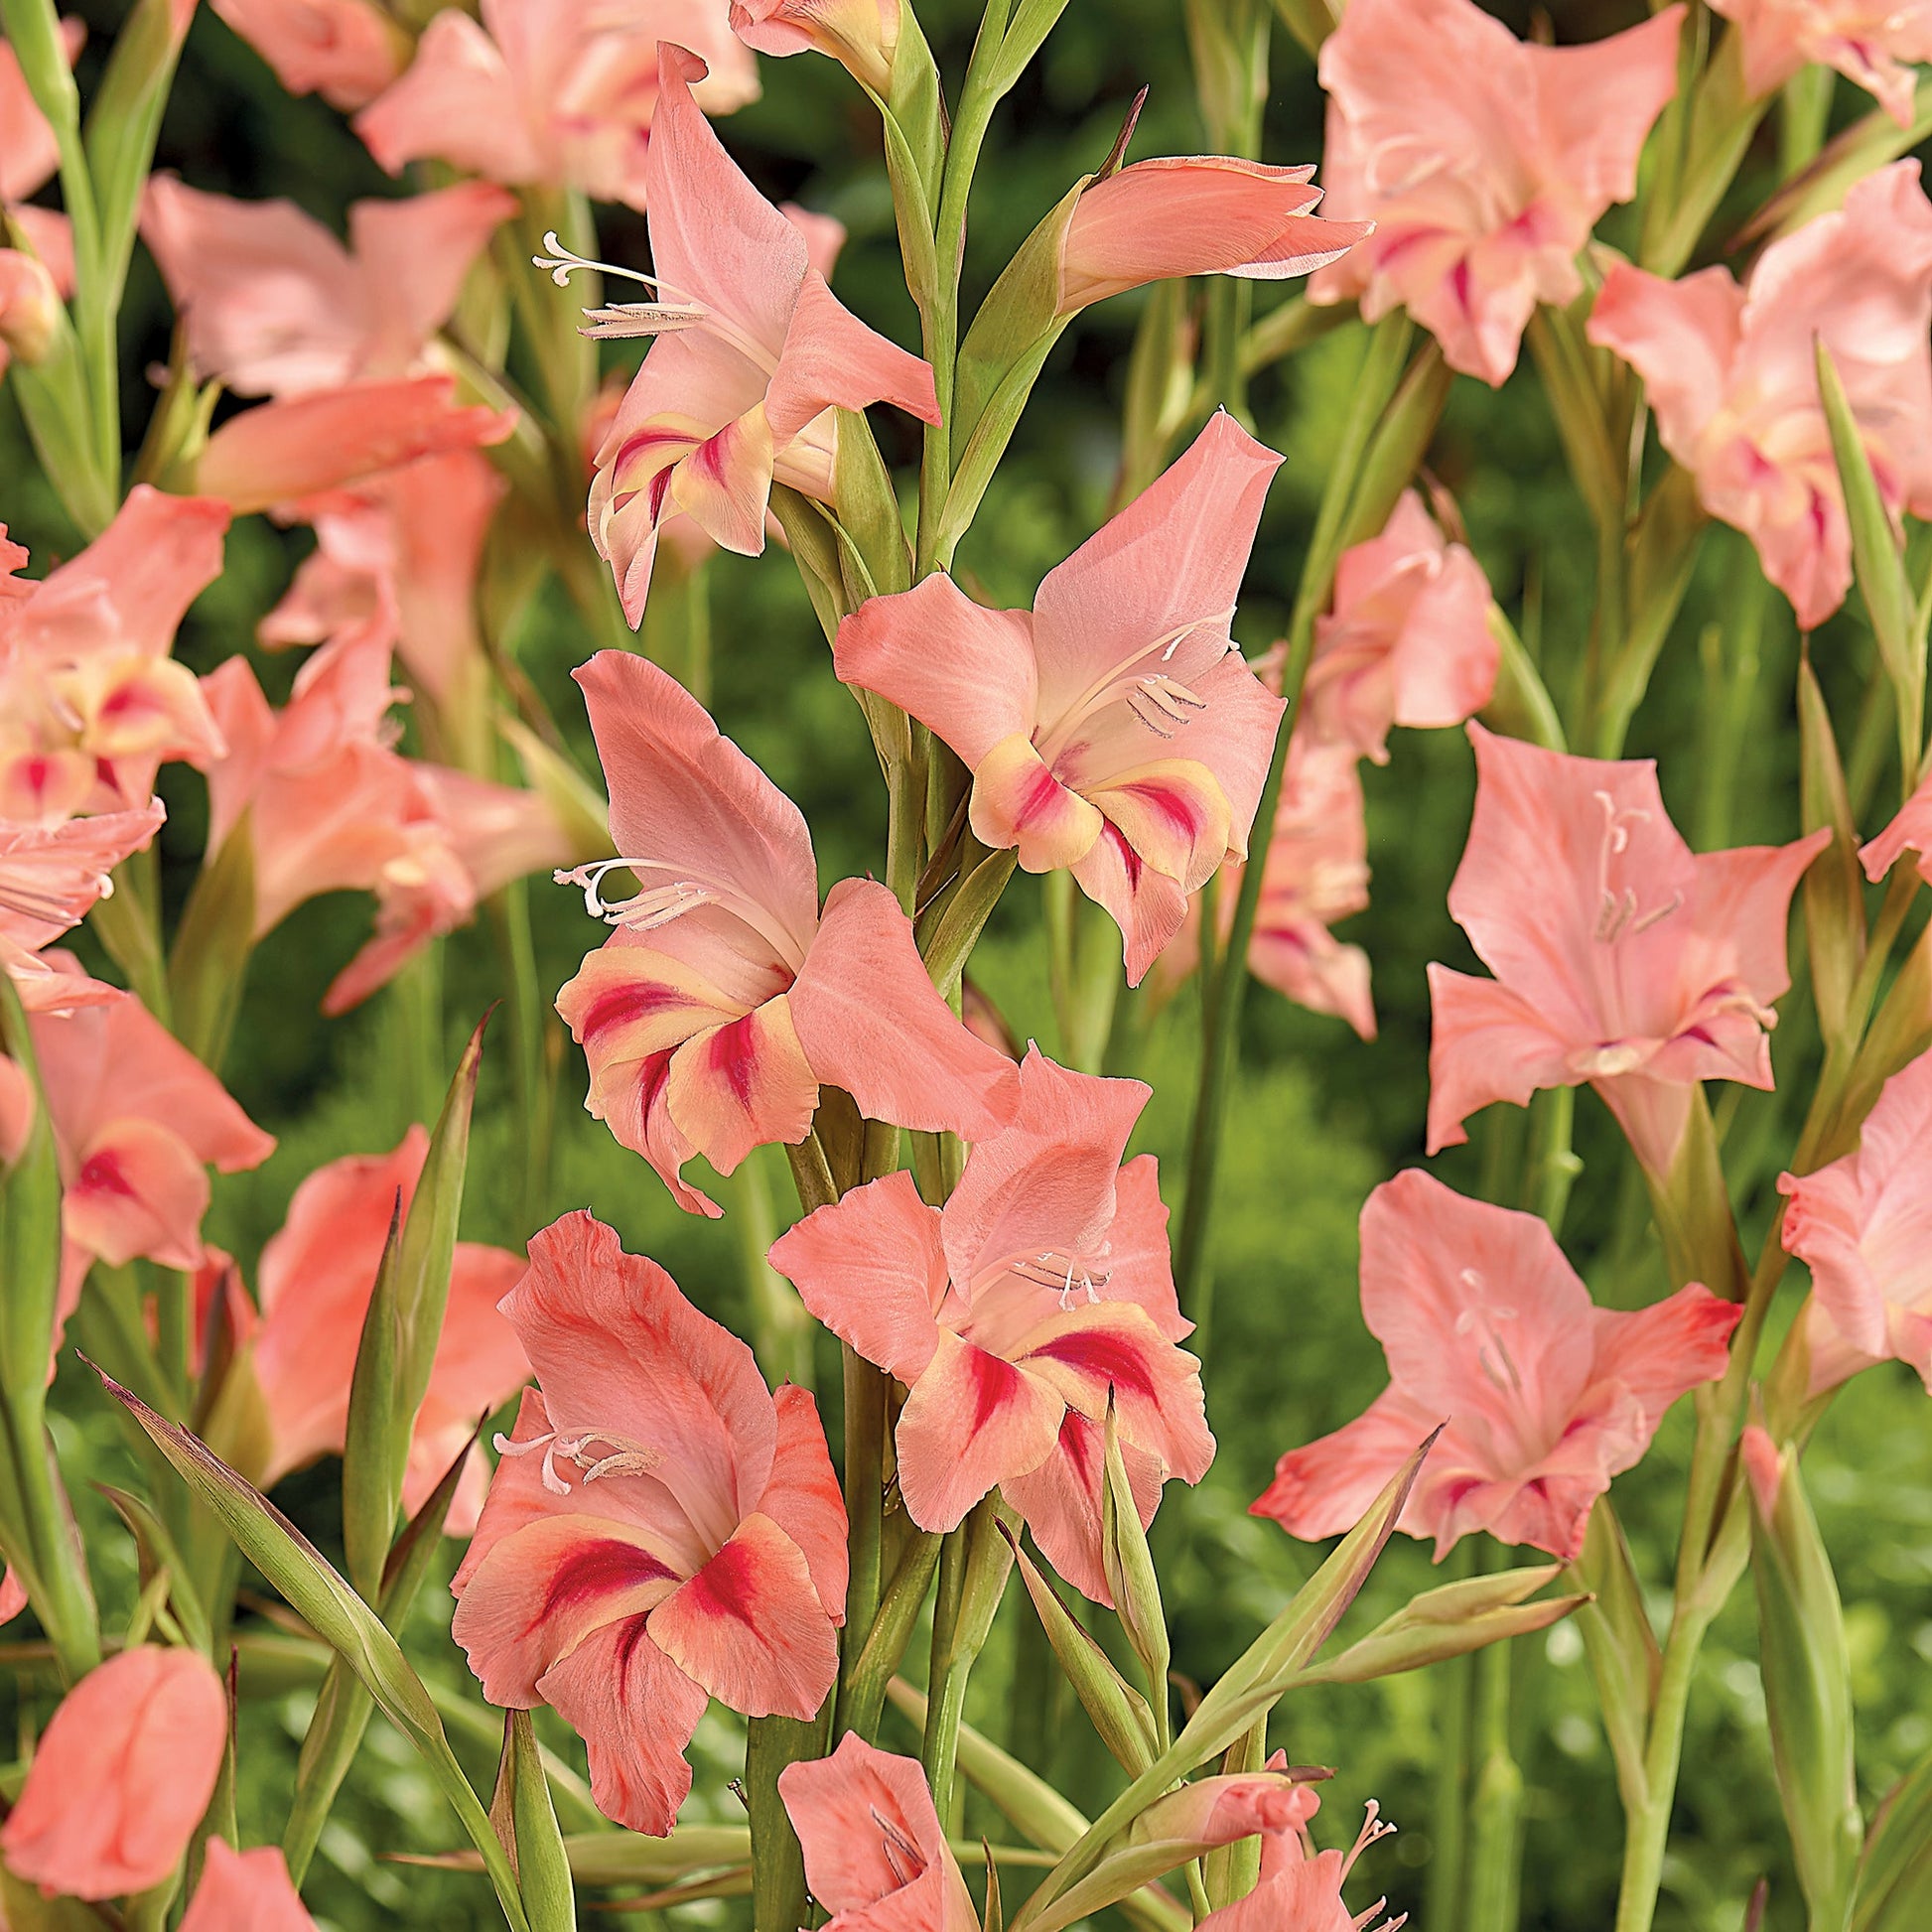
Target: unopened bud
[(30, 306)]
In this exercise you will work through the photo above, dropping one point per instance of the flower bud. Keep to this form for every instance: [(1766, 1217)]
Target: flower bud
[(861, 35), (29, 308)]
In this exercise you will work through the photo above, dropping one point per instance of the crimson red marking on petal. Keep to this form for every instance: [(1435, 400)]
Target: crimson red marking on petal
[(1041, 797), (731, 1053), (631, 1634), (600, 1568), (101, 1173), (995, 1384), (623, 1004), (726, 1587), (1104, 1355)]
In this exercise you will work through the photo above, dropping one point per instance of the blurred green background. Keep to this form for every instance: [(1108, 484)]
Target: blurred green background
[(1319, 1117)]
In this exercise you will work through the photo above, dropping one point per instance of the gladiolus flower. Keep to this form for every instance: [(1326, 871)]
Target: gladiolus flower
[(1622, 959), (275, 305), (1197, 214), (861, 35), (245, 1891), (315, 1282), (553, 92), (1732, 375), (725, 997), (284, 451), (50, 877), (661, 1529), (397, 557), (1299, 1888), (1484, 163), (122, 1775), (1405, 639), (90, 702), (331, 807), (754, 353), (1544, 1396), (29, 308), (1114, 728), (346, 51), (1874, 43), (1862, 1225), (137, 1121), (1041, 1288), (875, 1851)]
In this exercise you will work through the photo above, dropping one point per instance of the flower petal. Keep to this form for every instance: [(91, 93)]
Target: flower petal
[(972, 1421)]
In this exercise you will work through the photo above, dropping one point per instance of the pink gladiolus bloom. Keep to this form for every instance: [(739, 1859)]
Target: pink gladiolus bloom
[(1909, 831), (1405, 641), (1488, 1330), (346, 51), (753, 354), (245, 1891), (123, 1772), (50, 877), (861, 35), (1114, 728), (90, 702), (1732, 375), (1483, 161), (138, 1121), (1622, 958), (661, 1529), (275, 305), (547, 91), (1300, 1889), (284, 451), (315, 1282), (398, 557), (727, 995), (1197, 214), (1043, 1286), (1873, 42), (876, 1853), (331, 808), (1861, 1226)]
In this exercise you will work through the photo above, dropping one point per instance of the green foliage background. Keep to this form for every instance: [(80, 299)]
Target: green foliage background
[(1318, 1119)]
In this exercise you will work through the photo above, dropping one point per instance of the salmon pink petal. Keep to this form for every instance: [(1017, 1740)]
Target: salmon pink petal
[(1666, 1350), (121, 1777), (50, 876), (871, 1021), (1909, 831), (1169, 567), (1094, 1353), (1140, 1267), (346, 51), (966, 671), (138, 1189), (415, 255), (457, 101), (803, 1497), (1680, 336), (1327, 1487), (280, 451), (1047, 1182), (724, 484), (832, 360), (875, 1851), (518, 1491), (688, 800), (1061, 1501), (1487, 1044), (545, 1587), (1147, 906), (245, 1890), (742, 1085), (636, 1711), (1600, 98), (870, 1267), (1173, 814), (750, 1628), (1018, 802), (972, 1421), (617, 1347)]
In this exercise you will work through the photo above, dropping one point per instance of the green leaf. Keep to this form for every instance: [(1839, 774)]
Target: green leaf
[(158, 1555), (542, 1863), (327, 1603), (400, 1331), (53, 398), (1131, 1582), (815, 550), (1895, 1881), (964, 918), (1623, 1654), (868, 511), (213, 946), (29, 1229), (1834, 883), (1119, 1713)]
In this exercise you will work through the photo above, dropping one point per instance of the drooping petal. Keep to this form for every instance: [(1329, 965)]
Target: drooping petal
[(1061, 1501), (1147, 906), (743, 1084), (138, 1191), (1327, 1487), (972, 1421), (831, 360), (803, 1497), (750, 1628), (245, 1891), (871, 1021), (724, 484), (1018, 802), (870, 1267)]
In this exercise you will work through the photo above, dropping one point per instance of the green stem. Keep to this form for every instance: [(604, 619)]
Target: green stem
[(1496, 1844), (974, 1564), (1449, 1816), (865, 1461), (509, 915), (779, 1899)]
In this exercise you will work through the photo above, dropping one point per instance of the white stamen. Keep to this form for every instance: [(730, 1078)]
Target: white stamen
[(622, 320), (1064, 1274), (625, 1457)]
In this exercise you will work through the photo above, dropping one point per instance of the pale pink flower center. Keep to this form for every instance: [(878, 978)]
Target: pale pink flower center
[(658, 906), (1161, 702), (595, 1452)]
